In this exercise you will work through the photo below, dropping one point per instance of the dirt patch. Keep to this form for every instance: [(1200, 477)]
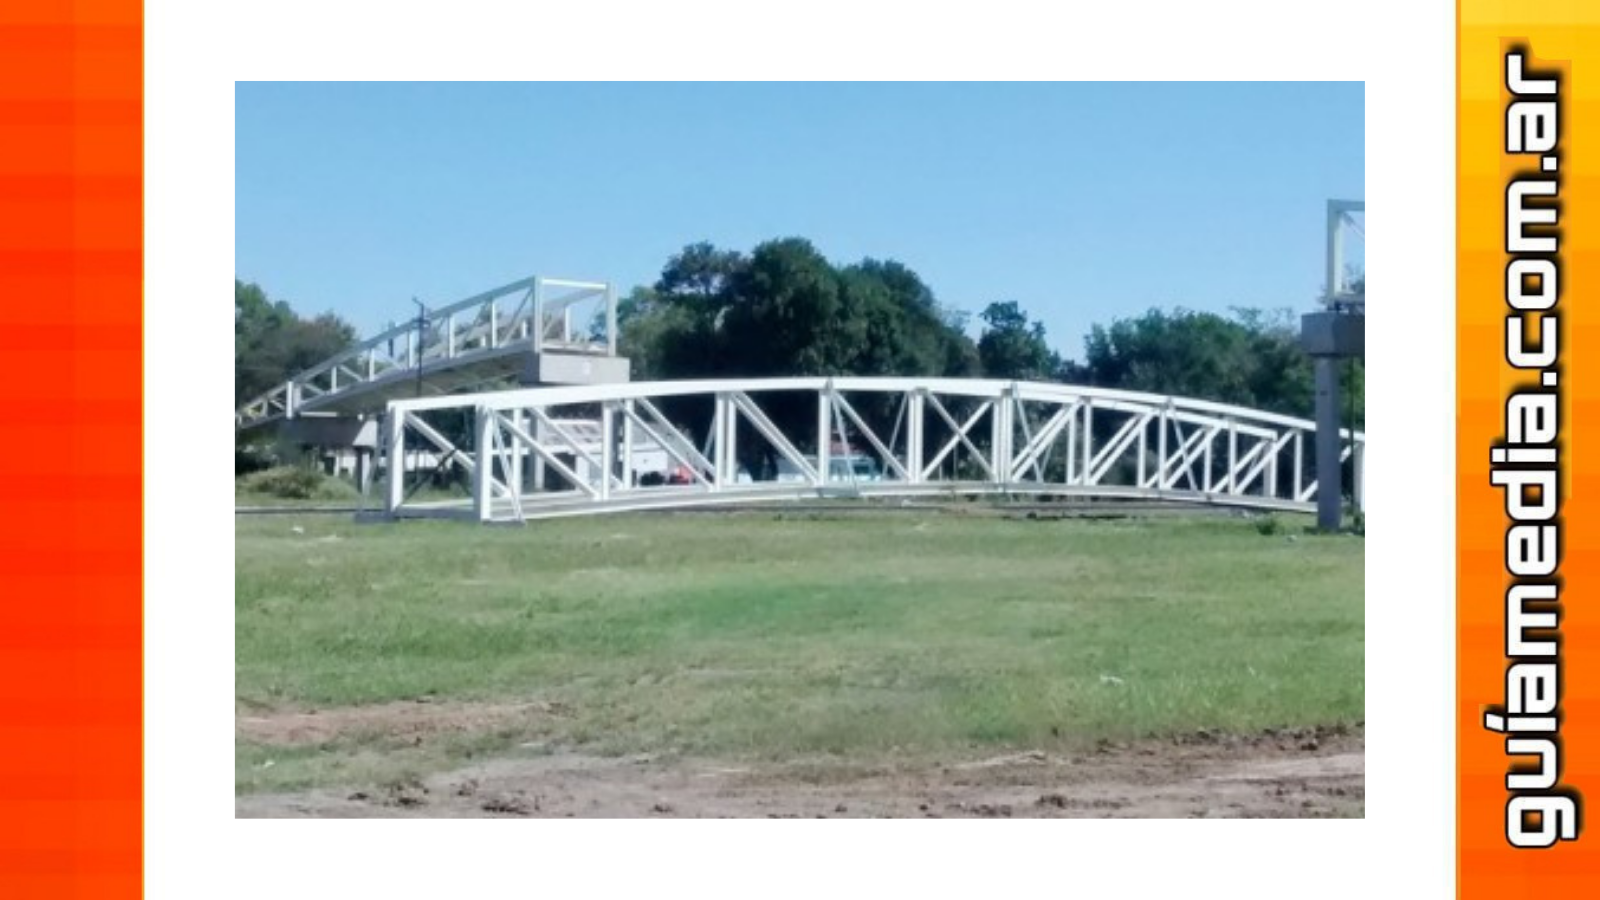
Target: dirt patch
[(1310, 773), (404, 720)]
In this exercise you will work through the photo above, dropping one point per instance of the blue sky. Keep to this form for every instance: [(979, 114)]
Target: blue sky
[(1083, 203)]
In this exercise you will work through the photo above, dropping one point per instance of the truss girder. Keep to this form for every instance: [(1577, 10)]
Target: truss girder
[(1041, 439)]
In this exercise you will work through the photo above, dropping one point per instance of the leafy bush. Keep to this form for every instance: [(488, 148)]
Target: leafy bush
[(248, 460), (1268, 525), (295, 483)]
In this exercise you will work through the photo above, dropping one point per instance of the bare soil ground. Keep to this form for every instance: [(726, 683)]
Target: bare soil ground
[(1275, 774)]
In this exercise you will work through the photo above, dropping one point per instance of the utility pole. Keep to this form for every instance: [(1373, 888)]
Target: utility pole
[(422, 327)]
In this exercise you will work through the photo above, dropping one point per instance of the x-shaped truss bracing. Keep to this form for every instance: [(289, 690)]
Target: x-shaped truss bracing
[(558, 451)]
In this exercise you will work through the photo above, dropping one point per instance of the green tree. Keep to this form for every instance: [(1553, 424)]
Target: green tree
[(272, 343), (1011, 346), (1252, 359), (698, 276), (786, 315)]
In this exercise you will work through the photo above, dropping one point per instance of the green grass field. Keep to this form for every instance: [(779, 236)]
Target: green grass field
[(781, 637)]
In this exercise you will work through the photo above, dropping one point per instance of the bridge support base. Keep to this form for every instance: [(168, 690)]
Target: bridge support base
[(350, 441)]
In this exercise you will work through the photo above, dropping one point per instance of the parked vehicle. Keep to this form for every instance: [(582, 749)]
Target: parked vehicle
[(684, 475), (855, 468), (852, 467)]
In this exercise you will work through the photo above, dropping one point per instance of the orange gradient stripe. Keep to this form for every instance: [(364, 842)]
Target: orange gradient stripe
[(71, 210), (1565, 37)]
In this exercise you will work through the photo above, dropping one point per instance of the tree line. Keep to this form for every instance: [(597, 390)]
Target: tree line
[(784, 309), (271, 342)]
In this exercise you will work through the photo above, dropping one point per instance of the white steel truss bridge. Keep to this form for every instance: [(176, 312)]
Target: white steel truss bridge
[(536, 329), (572, 450)]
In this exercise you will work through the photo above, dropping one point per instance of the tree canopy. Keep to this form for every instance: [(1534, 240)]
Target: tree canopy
[(785, 309), (1013, 347), (271, 342), (1251, 359)]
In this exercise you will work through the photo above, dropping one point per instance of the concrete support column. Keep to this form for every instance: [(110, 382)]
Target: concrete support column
[(1329, 337)]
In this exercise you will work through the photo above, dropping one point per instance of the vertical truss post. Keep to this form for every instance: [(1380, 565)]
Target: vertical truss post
[(1270, 486), (538, 458), (1232, 486), (519, 420), (732, 424), (824, 433), (1161, 447), (914, 428), (1358, 450), (1000, 438), (394, 426), (1072, 445), (1144, 432), (483, 472), (722, 448), (494, 323), (450, 337), (1013, 403), (627, 442), (608, 447), (1088, 438), (1299, 462)]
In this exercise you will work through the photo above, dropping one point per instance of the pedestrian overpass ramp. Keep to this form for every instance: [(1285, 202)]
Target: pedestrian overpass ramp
[(533, 331)]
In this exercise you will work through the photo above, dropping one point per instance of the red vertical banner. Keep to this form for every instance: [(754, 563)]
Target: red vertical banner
[(1528, 489), (71, 210)]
